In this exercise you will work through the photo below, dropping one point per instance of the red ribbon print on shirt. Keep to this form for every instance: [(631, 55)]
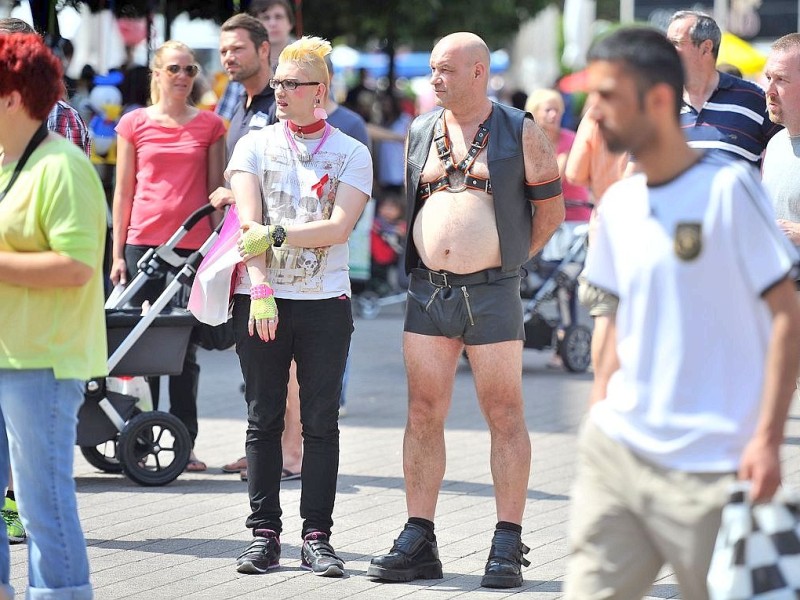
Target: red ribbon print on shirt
[(317, 187)]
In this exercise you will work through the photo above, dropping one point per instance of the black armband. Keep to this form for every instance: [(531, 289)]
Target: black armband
[(536, 192)]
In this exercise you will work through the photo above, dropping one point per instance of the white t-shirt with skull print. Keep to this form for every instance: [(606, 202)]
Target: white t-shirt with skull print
[(296, 193)]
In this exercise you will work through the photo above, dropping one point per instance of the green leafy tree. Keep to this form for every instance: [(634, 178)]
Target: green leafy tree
[(417, 23)]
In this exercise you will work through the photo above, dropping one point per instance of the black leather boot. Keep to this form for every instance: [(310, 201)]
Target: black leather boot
[(412, 556), (504, 567)]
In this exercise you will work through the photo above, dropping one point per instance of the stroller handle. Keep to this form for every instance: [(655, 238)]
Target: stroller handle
[(193, 218)]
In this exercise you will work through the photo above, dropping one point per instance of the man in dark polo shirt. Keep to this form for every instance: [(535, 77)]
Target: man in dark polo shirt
[(244, 54), (720, 112)]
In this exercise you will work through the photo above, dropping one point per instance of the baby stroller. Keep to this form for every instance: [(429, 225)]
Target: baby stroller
[(369, 303), (151, 448), (393, 290), (550, 288)]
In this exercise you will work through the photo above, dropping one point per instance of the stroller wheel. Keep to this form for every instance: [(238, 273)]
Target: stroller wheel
[(576, 348), (368, 305), (103, 456), (154, 448)]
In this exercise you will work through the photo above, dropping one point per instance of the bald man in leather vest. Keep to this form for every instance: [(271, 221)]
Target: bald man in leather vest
[(476, 172)]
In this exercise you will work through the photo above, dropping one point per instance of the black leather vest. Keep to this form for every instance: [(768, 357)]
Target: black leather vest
[(513, 212)]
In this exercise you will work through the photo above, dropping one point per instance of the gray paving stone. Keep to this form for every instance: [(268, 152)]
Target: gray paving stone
[(181, 540)]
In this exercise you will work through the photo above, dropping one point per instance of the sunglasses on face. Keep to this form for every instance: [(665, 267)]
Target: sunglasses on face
[(289, 84), (190, 70)]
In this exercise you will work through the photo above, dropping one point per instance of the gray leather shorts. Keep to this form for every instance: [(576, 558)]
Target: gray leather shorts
[(480, 308)]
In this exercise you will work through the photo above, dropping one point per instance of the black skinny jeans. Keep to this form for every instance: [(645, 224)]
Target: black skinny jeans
[(183, 387), (316, 333)]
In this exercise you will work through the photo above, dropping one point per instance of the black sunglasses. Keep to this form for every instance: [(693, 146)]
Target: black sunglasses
[(190, 70), (289, 84)]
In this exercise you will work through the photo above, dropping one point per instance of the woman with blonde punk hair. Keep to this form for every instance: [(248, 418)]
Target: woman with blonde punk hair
[(170, 156), (300, 186)]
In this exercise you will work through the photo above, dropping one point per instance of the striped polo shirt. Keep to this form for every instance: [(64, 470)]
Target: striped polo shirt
[(733, 120)]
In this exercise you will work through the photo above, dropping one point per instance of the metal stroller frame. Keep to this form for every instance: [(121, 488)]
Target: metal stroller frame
[(368, 304), (151, 448), (572, 341)]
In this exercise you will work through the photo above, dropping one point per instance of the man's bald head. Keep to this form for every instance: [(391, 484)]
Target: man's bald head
[(460, 72), (466, 44)]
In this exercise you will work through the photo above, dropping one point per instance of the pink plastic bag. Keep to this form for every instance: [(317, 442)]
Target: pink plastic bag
[(213, 285)]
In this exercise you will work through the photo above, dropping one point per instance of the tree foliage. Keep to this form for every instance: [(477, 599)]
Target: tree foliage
[(218, 10), (417, 23)]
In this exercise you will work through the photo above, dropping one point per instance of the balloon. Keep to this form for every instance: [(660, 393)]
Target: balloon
[(103, 134), (102, 96)]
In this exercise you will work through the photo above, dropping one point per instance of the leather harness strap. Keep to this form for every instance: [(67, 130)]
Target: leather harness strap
[(472, 182), (446, 157)]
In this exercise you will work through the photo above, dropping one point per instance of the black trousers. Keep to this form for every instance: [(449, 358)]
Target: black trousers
[(183, 387), (316, 333)]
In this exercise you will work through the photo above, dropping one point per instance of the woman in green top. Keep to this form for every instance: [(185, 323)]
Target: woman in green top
[(52, 324)]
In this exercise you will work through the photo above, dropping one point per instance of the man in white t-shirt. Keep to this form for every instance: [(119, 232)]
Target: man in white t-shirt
[(696, 365)]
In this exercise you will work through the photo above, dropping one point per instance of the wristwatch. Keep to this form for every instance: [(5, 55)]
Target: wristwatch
[(278, 236)]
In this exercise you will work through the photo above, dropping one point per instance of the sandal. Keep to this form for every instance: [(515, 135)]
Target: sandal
[(287, 475), (236, 466), (194, 465)]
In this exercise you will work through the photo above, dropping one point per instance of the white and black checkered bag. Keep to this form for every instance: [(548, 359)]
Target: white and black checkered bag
[(757, 553)]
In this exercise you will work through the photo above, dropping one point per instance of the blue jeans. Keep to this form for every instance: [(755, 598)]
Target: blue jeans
[(38, 419)]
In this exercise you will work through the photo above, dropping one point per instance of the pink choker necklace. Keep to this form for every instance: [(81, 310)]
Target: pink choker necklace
[(304, 156)]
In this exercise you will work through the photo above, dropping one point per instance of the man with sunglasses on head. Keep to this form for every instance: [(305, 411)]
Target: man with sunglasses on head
[(244, 53)]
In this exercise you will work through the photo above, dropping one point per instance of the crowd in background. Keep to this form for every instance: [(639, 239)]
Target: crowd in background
[(167, 127)]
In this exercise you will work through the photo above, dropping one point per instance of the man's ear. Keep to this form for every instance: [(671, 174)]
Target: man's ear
[(660, 98)]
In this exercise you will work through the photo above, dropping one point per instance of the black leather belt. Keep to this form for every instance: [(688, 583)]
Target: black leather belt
[(446, 279)]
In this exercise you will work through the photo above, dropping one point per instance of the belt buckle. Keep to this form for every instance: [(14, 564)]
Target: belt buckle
[(442, 275)]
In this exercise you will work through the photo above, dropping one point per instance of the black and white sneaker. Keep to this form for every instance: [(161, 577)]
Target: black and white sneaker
[(263, 553), (318, 556)]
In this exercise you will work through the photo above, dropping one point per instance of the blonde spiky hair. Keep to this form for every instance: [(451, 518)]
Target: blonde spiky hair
[(309, 54)]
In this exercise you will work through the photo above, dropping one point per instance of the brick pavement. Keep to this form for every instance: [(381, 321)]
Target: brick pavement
[(181, 540)]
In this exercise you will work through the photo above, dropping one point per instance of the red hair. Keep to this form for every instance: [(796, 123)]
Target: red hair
[(29, 67)]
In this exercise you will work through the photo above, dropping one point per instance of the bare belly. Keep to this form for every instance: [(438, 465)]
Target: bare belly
[(457, 232)]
